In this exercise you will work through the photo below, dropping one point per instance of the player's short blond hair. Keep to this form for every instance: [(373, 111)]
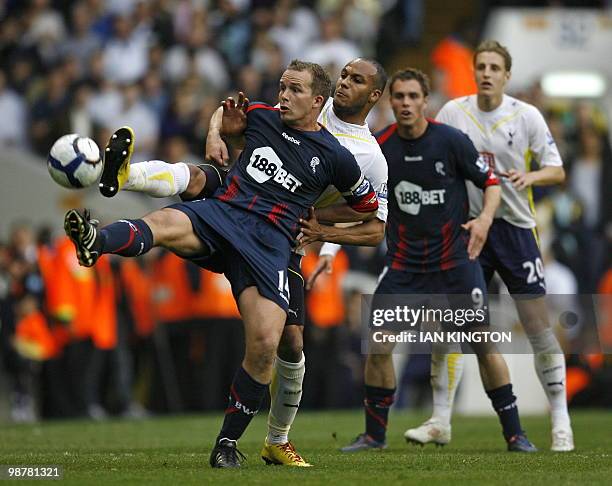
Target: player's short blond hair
[(494, 46)]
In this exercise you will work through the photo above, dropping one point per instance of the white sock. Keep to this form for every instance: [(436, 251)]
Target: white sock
[(446, 373), (285, 396), (550, 366), (158, 178)]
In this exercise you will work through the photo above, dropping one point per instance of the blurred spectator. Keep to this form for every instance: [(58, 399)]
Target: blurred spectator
[(45, 30), (12, 108), (126, 54), (586, 180), (360, 20), (179, 120), (154, 94), (176, 149), (293, 28), (136, 114), (80, 119), (23, 76), (326, 314), (82, 43), (452, 61), (332, 51), (401, 24), (233, 31), (593, 189), (196, 56), (24, 296), (105, 104), (49, 115)]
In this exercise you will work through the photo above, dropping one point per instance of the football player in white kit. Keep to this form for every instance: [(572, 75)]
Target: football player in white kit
[(510, 134)]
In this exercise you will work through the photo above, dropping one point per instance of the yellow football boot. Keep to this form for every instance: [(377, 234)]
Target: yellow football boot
[(117, 156), (282, 455)]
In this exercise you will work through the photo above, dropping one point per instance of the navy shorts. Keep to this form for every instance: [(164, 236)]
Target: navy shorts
[(461, 287), (243, 246), (462, 279), (514, 254)]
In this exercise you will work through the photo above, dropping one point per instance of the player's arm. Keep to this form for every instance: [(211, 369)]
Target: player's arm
[(216, 149), (229, 121), (544, 150), (369, 233), (479, 227), (475, 168), (546, 176), (341, 213)]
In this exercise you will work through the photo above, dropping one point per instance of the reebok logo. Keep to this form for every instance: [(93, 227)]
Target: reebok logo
[(289, 138)]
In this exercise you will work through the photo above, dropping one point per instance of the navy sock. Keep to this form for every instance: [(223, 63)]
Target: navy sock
[(245, 398), (377, 403), (126, 237), (504, 403)]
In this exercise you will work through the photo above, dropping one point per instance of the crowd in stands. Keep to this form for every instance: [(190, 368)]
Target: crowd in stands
[(158, 334)]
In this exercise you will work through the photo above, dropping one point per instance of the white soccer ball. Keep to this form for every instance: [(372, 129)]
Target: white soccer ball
[(74, 161)]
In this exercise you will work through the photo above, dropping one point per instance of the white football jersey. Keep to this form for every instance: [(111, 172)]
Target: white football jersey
[(509, 137), (364, 147), (361, 143)]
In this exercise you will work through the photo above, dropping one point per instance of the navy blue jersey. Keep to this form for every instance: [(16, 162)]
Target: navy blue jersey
[(282, 171), (428, 199)]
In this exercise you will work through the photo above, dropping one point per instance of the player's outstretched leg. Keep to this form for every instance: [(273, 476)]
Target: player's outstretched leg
[(155, 178), (168, 227), (117, 156), (83, 232), (446, 373), (124, 237)]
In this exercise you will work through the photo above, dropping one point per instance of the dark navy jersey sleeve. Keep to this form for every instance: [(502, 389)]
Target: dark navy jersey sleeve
[(469, 162), (352, 184)]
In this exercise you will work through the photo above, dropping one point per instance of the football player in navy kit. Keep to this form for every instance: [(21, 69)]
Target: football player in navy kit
[(358, 88), (248, 227), (432, 247)]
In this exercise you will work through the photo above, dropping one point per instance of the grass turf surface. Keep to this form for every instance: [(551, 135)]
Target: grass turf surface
[(175, 450)]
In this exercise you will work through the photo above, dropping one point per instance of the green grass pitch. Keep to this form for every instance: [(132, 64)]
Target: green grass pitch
[(174, 451)]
